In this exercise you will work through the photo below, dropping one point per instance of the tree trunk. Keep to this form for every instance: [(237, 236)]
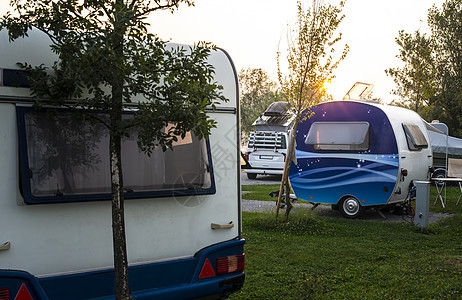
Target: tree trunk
[(288, 203), (283, 181), (285, 174), (117, 186), (122, 291), (118, 213), (118, 220)]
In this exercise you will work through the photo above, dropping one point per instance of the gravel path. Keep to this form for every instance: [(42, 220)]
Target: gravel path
[(261, 179), (322, 210), (326, 211)]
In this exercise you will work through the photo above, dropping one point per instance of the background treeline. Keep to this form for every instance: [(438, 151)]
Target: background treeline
[(429, 80)]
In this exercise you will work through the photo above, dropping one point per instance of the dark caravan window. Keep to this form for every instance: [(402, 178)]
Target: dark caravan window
[(339, 136), (65, 159), (415, 139)]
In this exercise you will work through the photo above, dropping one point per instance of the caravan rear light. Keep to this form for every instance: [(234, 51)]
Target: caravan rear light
[(4, 293), (207, 270), (23, 294), (230, 264)]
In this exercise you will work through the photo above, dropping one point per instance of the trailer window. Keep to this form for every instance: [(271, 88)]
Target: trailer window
[(64, 159), (341, 136), (415, 139)]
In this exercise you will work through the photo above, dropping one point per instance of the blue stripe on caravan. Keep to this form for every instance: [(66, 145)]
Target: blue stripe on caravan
[(13, 280), (388, 159), (178, 279)]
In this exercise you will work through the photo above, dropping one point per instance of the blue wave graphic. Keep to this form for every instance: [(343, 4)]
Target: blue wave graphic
[(312, 184), (350, 171), (325, 177)]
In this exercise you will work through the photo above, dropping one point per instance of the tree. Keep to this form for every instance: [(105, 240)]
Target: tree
[(107, 58), (415, 81), (311, 61), (446, 30), (431, 79), (257, 92)]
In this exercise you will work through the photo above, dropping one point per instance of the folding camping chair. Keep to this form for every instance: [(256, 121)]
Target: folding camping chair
[(455, 171), (454, 175)]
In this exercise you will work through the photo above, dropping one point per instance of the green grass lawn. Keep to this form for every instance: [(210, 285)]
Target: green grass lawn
[(260, 192), (311, 257)]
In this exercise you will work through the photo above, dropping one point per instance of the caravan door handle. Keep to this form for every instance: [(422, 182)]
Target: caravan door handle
[(5, 246), (222, 226)]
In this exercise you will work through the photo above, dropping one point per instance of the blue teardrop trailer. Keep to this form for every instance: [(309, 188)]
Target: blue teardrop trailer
[(358, 154)]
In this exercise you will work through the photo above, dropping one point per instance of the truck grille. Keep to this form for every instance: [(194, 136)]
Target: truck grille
[(268, 140)]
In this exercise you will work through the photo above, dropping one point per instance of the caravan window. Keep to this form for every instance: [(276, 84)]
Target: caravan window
[(64, 159), (415, 139), (346, 136)]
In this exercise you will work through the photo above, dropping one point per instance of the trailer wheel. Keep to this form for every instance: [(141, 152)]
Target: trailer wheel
[(251, 175), (350, 207), (439, 173)]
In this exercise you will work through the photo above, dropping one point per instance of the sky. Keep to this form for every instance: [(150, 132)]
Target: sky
[(251, 30)]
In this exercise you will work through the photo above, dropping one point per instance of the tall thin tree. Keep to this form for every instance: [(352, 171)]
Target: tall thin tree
[(311, 61)]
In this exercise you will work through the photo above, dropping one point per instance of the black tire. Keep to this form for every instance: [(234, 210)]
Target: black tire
[(439, 173), (350, 207), (251, 175)]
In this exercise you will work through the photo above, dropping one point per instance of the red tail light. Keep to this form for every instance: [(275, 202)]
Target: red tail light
[(230, 264), (4, 293)]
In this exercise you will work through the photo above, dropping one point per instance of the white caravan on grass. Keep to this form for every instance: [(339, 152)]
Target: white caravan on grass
[(183, 213)]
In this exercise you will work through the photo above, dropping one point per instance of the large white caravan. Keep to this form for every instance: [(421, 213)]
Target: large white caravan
[(183, 217)]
